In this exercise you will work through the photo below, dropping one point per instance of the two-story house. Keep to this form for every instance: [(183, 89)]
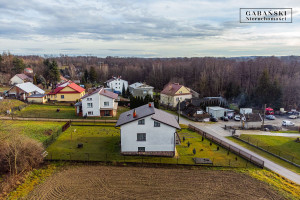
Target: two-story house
[(116, 83), (173, 93), (148, 131), (68, 92), (98, 103)]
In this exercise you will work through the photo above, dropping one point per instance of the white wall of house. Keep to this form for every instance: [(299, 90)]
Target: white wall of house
[(16, 80), (117, 85), (96, 105), (157, 138), (173, 100), (104, 99)]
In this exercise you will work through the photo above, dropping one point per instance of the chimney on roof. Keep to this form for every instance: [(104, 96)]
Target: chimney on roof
[(150, 105), (170, 86), (134, 113)]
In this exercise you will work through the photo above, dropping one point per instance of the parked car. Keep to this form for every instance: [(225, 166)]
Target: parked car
[(224, 118), (213, 119), (237, 118), (293, 117), (270, 117), (287, 123)]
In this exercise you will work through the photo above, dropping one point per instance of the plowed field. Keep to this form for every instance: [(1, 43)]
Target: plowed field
[(106, 182)]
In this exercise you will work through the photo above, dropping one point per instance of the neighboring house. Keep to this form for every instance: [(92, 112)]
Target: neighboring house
[(116, 83), (192, 109), (141, 90), (98, 103), (28, 70), (62, 79), (69, 92), (20, 78), (24, 90), (173, 93), (216, 111), (37, 98), (148, 131), (252, 120)]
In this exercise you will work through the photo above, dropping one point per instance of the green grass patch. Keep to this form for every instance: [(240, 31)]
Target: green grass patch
[(33, 178), (284, 131), (3, 89), (66, 112), (204, 148), (7, 104), (266, 155), (102, 143), (285, 147), (37, 130)]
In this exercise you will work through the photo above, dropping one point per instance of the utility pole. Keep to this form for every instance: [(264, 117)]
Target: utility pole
[(263, 122), (178, 110)]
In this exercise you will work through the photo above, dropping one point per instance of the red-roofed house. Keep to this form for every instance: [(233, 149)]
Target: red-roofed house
[(28, 70), (69, 93), (98, 103), (173, 93)]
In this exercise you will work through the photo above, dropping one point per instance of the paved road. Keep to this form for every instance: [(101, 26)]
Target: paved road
[(220, 133)]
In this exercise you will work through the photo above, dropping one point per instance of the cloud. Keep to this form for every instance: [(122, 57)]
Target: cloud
[(118, 27)]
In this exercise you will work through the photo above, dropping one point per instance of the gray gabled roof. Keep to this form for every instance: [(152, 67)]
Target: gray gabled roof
[(144, 111)]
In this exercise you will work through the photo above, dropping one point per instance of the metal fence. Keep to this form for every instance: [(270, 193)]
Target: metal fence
[(258, 162), (272, 150), (118, 158), (53, 137)]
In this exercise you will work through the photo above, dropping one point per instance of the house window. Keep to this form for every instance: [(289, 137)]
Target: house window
[(62, 96), (141, 149), (145, 92), (89, 105), (177, 99), (141, 137), (106, 103), (90, 113), (116, 84), (156, 124), (180, 92), (89, 99), (141, 122)]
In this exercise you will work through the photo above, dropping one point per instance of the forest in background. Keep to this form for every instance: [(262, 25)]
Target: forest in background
[(248, 81)]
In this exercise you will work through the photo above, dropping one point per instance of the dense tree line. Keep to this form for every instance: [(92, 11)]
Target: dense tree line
[(237, 79)]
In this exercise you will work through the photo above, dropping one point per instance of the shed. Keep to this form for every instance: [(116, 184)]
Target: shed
[(216, 111), (37, 98)]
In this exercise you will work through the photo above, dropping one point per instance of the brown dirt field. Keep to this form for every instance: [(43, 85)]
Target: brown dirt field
[(107, 182)]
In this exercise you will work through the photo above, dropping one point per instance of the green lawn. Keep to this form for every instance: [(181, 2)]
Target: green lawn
[(102, 143), (285, 147), (2, 89), (266, 155), (66, 112), (7, 104), (37, 130), (284, 131)]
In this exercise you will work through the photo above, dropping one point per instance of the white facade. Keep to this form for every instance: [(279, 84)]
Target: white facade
[(93, 104), (16, 80), (216, 111), (245, 111), (117, 84), (157, 138)]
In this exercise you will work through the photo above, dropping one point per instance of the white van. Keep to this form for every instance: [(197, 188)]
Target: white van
[(287, 123)]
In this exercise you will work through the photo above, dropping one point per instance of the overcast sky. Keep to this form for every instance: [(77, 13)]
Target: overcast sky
[(144, 28)]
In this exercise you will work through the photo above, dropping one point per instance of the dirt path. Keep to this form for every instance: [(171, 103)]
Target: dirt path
[(107, 182)]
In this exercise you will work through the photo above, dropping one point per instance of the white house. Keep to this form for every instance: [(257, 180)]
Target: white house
[(24, 90), (116, 83), (98, 103), (148, 131), (20, 78)]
